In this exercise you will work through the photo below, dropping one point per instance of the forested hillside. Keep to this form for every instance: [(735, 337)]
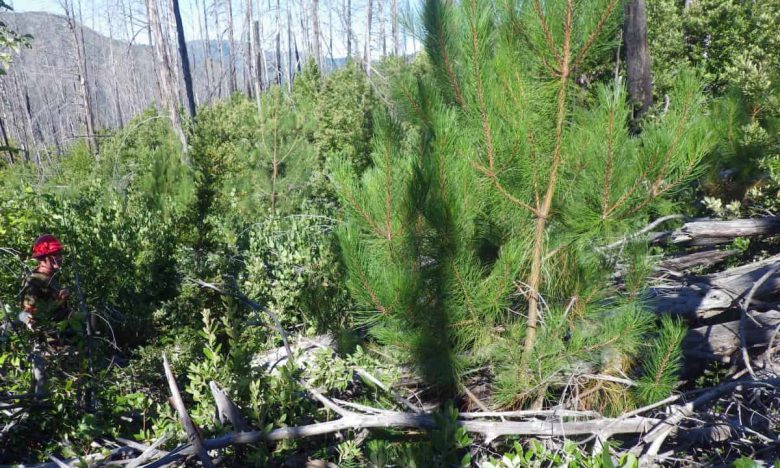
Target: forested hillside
[(549, 238)]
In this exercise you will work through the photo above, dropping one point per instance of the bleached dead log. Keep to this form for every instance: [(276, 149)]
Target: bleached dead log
[(706, 296), (713, 232), (488, 429), (652, 441), (39, 375), (704, 258), (718, 342), (184, 418), (276, 357), (148, 453), (226, 409)]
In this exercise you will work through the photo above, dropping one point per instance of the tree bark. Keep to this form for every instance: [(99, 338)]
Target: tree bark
[(168, 93), (702, 297), (249, 51), (382, 34), (78, 42), (184, 418), (718, 342), (120, 121), (232, 83), (705, 258), (349, 28), (184, 60), (367, 45), (640, 86), (394, 25), (289, 70), (6, 143), (258, 68), (712, 232), (220, 46), (278, 21), (315, 25), (206, 50)]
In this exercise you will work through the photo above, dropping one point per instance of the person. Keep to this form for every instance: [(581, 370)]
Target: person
[(44, 302)]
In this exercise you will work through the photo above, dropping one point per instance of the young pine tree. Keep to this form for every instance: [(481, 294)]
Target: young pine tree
[(479, 243)]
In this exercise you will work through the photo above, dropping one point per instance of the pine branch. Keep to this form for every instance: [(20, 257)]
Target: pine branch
[(417, 110), (388, 197), (503, 191), (594, 34), (608, 169), (546, 29), (371, 293), (442, 49), (664, 167), (365, 215), (474, 17), (668, 156), (469, 304)]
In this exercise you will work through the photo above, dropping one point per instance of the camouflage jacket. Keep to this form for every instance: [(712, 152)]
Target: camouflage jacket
[(40, 297)]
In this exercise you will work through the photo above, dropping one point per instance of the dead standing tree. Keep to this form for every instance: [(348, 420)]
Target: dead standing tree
[(184, 59), (232, 82), (165, 75), (77, 32), (640, 85)]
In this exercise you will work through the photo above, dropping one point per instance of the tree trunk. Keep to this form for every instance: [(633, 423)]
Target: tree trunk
[(315, 25), (184, 60), (703, 297), (6, 143), (257, 78), (394, 26), (249, 52), (712, 232), (330, 38), (349, 28), (279, 72), (289, 50), (206, 50), (367, 45), (168, 93), (232, 83), (382, 28), (78, 40), (120, 120), (640, 86), (220, 46), (718, 342)]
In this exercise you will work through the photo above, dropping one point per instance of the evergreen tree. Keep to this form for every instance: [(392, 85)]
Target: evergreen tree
[(479, 243)]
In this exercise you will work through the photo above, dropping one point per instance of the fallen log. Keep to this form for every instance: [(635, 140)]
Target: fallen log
[(705, 258), (652, 441), (718, 342), (706, 296), (713, 232), (489, 429), (226, 409), (184, 418)]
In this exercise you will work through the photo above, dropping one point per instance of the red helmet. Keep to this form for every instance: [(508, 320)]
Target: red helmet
[(45, 245)]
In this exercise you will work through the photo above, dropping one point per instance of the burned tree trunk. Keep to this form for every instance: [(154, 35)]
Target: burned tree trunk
[(81, 66), (167, 90), (184, 59), (257, 78), (315, 21), (232, 83), (640, 86), (367, 45)]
